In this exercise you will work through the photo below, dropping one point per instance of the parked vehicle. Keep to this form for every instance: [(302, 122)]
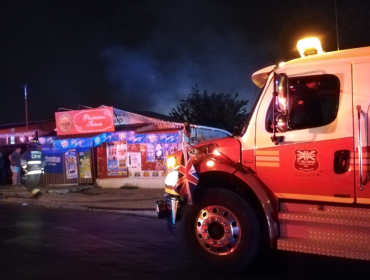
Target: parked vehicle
[(296, 178)]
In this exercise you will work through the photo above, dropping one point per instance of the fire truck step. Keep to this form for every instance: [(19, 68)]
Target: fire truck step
[(324, 214), (325, 248), (287, 207), (325, 230), (325, 218)]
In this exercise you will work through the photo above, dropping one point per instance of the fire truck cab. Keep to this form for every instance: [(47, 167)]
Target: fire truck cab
[(297, 177)]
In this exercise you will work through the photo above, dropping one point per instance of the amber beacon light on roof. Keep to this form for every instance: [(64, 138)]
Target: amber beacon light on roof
[(309, 46)]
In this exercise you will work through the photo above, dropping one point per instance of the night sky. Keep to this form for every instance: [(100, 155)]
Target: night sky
[(147, 55)]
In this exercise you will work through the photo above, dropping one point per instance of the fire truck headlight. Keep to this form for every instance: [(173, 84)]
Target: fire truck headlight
[(172, 178), (171, 162)]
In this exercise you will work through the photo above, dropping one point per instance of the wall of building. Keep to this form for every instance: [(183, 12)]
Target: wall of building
[(139, 182)]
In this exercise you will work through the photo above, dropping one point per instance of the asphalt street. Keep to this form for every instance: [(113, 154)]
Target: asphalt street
[(48, 243)]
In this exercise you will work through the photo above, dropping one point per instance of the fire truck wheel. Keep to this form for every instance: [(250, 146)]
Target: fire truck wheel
[(221, 230)]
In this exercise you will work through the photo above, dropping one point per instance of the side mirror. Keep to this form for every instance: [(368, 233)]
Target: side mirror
[(187, 129), (281, 89), (280, 106)]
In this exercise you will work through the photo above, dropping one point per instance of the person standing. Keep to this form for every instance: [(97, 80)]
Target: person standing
[(2, 169), (33, 164), (15, 166)]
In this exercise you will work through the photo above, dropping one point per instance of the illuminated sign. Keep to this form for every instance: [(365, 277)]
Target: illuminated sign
[(85, 121)]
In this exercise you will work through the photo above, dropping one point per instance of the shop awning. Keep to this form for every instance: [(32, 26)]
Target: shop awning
[(133, 138), (73, 143), (64, 143)]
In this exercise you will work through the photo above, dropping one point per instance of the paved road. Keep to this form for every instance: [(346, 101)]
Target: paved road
[(46, 243)]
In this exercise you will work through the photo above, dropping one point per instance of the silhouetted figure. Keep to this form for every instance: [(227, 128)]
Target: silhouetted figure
[(15, 166), (33, 163), (306, 110)]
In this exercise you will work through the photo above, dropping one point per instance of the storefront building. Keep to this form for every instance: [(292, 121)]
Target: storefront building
[(108, 147), (132, 153), (141, 154)]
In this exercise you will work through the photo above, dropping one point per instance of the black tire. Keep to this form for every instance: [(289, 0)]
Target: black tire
[(230, 225)]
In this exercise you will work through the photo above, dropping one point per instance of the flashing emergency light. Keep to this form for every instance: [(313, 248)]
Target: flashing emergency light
[(171, 162), (309, 46)]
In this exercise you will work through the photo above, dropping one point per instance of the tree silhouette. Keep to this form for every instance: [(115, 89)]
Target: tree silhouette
[(218, 110)]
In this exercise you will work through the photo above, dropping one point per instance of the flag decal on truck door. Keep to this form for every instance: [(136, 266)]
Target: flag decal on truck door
[(306, 160)]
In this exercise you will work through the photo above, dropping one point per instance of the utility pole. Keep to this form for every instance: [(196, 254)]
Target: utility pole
[(25, 101)]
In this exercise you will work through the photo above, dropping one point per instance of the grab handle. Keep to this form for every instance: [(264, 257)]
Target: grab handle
[(360, 146)]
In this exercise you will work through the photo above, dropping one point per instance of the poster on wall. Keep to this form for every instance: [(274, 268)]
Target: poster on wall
[(150, 153), (71, 164), (54, 163), (155, 156), (117, 158), (154, 149), (133, 148), (134, 161), (121, 156), (135, 151), (112, 168), (158, 152), (169, 149), (84, 164)]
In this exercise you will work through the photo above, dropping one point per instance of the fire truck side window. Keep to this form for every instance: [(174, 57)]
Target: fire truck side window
[(313, 102)]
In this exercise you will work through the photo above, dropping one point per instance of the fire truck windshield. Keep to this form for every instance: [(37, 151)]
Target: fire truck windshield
[(240, 131)]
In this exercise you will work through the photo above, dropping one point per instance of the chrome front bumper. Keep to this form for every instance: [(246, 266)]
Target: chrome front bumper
[(167, 208)]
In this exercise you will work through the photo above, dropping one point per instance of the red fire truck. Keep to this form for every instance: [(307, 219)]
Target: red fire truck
[(295, 178)]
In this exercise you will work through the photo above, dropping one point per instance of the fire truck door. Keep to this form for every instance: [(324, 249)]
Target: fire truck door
[(361, 104), (312, 162)]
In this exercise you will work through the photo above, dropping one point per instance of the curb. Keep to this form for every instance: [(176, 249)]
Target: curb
[(25, 192), (71, 206), (70, 190), (50, 204), (140, 213)]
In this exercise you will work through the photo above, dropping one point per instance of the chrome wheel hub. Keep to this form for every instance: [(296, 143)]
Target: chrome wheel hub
[(217, 230)]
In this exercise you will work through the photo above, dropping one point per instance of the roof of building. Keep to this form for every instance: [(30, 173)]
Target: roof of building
[(161, 121), (14, 125), (158, 116)]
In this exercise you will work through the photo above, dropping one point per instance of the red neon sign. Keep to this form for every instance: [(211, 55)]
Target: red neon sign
[(85, 121)]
